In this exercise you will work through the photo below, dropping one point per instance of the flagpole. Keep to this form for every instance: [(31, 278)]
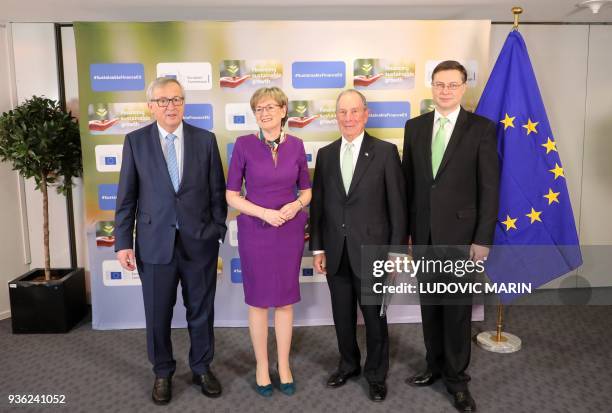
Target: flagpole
[(498, 341)]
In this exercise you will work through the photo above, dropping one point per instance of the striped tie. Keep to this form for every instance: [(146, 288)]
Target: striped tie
[(171, 161)]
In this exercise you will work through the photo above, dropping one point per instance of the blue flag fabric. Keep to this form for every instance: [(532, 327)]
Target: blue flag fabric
[(535, 237)]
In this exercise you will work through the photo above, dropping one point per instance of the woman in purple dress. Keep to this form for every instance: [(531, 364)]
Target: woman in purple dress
[(271, 224)]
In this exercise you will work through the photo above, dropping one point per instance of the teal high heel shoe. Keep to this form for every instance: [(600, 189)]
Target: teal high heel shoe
[(288, 388), (265, 391)]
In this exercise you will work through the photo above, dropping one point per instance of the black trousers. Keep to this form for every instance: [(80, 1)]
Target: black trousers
[(345, 290), (198, 278), (447, 334), (447, 329)]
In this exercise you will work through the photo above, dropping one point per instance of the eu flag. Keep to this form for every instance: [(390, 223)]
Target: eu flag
[(535, 237)]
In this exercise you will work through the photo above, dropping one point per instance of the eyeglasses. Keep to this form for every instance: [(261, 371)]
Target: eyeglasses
[(270, 109), (164, 102), (450, 86)]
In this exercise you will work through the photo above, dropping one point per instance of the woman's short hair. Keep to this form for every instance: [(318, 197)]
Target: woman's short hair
[(273, 93)]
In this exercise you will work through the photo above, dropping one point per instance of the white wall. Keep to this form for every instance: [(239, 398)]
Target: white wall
[(36, 74), (595, 223), (12, 257)]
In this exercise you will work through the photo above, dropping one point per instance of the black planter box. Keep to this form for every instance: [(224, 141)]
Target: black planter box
[(48, 307)]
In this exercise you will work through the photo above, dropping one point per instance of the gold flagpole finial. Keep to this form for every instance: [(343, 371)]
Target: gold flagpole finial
[(516, 11)]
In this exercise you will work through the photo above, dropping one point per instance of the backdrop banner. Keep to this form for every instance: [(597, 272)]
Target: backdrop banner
[(221, 64)]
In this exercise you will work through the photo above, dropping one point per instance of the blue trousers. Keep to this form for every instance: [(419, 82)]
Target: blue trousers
[(198, 278)]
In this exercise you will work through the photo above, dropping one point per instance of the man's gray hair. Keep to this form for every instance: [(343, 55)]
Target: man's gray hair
[(347, 91), (161, 82)]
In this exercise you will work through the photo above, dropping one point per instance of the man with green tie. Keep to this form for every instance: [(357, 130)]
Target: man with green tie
[(452, 183), (357, 199)]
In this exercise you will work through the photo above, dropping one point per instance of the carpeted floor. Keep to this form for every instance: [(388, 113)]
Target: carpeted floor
[(565, 366)]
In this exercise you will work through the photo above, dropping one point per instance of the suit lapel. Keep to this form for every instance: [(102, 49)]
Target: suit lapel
[(458, 132), (160, 161), (427, 131), (188, 154), (363, 161), (335, 160)]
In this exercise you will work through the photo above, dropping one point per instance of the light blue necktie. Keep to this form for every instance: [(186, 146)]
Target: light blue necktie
[(171, 161)]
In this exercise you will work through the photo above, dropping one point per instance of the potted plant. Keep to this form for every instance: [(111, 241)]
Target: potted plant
[(41, 141)]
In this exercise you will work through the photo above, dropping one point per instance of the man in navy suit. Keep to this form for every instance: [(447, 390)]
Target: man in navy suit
[(172, 186)]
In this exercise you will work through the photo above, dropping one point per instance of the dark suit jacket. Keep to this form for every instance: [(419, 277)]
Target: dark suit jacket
[(146, 194), (459, 206), (373, 212)]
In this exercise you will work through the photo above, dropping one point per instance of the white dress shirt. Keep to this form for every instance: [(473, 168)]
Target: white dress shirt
[(356, 148), (448, 128), (178, 145)]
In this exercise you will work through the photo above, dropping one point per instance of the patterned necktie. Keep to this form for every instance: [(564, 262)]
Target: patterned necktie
[(347, 166), (171, 161), (438, 146)]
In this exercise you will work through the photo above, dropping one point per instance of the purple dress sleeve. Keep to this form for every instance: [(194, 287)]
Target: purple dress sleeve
[(303, 177), (235, 173)]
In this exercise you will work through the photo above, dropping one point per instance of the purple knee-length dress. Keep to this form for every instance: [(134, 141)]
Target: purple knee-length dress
[(270, 257)]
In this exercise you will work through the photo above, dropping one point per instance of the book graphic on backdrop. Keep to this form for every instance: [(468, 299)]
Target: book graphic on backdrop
[(383, 74), (105, 233), (426, 106), (250, 74), (117, 118), (316, 115)]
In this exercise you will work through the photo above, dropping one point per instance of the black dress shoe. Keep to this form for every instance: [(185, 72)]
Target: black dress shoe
[(339, 378), (162, 390), (378, 391), (464, 401), (209, 384), (424, 379)]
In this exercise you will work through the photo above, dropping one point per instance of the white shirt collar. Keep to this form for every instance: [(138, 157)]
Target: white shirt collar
[(452, 117), (178, 132), (356, 142)]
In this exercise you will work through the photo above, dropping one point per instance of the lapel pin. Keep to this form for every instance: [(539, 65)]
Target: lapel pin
[(366, 154)]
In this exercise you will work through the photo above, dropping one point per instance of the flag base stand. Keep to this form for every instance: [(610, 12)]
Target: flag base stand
[(504, 343), (498, 341)]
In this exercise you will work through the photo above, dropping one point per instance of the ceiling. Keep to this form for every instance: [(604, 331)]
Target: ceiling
[(163, 10)]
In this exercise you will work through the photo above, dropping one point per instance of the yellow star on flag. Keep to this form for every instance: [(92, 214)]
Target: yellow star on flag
[(508, 121), (552, 196), (531, 126), (509, 223), (550, 146), (534, 215), (557, 170)]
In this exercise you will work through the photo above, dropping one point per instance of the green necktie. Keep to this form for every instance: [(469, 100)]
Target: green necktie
[(438, 146), (347, 166)]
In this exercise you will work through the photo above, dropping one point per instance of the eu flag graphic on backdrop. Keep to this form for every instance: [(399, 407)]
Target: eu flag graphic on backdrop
[(535, 237)]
